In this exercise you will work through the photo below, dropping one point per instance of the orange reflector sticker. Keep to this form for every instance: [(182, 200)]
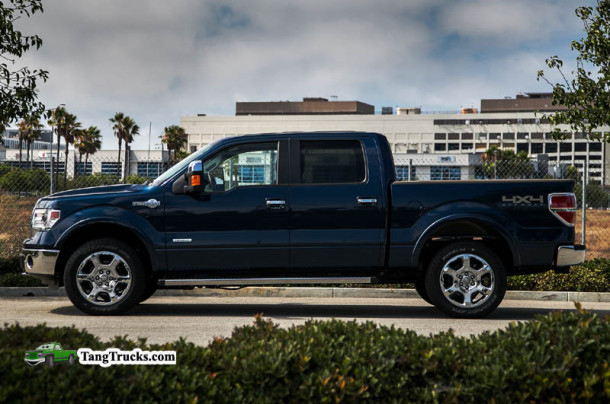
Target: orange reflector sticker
[(195, 180)]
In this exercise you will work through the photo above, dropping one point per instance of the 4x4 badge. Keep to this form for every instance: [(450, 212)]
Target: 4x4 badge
[(151, 203), (526, 199)]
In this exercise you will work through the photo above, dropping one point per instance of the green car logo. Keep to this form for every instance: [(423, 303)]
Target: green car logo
[(49, 353)]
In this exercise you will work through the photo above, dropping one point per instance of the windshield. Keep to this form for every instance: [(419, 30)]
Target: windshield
[(182, 164), (45, 346)]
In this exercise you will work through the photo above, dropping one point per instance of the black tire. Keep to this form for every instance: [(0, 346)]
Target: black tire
[(420, 288), (71, 360), (49, 361), (482, 280), (151, 288), (105, 251)]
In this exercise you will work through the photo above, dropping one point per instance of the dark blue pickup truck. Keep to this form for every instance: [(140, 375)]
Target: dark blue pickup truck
[(301, 208)]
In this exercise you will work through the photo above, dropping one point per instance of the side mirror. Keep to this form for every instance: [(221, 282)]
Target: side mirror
[(195, 181)]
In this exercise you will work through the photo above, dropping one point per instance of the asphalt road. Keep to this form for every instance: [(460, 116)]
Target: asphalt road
[(200, 319)]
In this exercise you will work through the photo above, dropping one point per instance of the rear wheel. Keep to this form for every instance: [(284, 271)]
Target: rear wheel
[(466, 279), (105, 276)]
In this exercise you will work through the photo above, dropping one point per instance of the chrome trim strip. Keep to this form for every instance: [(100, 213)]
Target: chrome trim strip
[(43, 261), (569, 255), (259, 281)]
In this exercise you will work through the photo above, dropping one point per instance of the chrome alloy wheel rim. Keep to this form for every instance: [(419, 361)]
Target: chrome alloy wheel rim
[(103, 278), (467, 281)]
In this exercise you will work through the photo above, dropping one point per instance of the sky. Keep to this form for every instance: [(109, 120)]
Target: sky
[(158, 60)]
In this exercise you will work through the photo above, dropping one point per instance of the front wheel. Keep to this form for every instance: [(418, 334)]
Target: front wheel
[(466, 279), (105, 276)]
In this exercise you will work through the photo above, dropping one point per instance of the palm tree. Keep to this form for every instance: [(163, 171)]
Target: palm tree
[(118, 128), (21, 134), (33, 133), (88, 141), (56, 121), (131, 130), (175, 138), (68, 132)]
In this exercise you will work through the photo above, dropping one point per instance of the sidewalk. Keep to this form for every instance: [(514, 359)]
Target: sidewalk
[(365, 293)]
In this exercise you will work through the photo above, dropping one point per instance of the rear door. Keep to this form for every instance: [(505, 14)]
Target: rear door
[(337, 214)]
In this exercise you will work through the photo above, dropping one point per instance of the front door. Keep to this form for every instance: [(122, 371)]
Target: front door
[(240, 222)]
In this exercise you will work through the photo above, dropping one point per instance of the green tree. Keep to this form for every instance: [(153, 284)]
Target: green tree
[(33, 133), (119, 131), (18, 91), (57, 121), (131, 130), (175, 138), (68, 131), (124, 129), (22, 130), (87, 142), (499, 163), (586, 93)]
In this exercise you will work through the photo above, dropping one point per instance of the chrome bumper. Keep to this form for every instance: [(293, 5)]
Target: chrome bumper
[(39, 262), (568, 255)]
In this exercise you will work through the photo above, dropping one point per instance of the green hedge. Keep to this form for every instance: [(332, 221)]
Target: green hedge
[(592, 276), (561, 357)]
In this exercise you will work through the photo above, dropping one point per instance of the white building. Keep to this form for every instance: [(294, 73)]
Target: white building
[(430, 135), (141, 162)]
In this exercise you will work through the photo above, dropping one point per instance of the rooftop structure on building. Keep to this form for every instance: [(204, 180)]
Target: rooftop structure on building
[(309, 106), (523, 102)]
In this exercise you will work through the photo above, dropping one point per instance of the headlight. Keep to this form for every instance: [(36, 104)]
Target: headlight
[(44, 219)]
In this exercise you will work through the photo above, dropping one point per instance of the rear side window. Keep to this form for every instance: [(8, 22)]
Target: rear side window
[(331, 161)]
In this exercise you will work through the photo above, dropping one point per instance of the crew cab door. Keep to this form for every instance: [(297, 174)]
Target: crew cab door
[(337, 217), (240, 221)]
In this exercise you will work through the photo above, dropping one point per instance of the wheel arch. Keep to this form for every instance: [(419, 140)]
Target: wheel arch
[(94, 230), (458, 228)]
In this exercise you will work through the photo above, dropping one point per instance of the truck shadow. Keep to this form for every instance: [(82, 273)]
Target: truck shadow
[(324, 311)]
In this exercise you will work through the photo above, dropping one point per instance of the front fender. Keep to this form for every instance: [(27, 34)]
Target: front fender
[(151, 238)]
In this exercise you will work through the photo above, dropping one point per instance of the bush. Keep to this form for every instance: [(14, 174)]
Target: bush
[(14, 280), (592, 276), (560, 357), (30, 180), (9, 265), (135, 179), (86, 181)]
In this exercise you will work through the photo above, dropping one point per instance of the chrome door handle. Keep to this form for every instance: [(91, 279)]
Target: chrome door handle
[(367, 201), (275, 203)]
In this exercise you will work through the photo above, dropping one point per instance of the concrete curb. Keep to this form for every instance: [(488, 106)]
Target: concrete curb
[(364, 293)]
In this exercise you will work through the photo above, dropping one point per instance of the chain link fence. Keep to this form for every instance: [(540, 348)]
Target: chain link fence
[(23, 183)]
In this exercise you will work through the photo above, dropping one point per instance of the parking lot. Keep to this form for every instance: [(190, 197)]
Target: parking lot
[(200, 319)]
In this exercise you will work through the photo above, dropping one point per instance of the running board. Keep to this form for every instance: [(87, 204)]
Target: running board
[(260, 281)]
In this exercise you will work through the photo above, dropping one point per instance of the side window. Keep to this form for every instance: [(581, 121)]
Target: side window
[(242, 165), (332, 161)]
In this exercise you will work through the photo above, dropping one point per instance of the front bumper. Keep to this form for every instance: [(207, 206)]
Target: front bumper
[(34, 362), (568, 255), (39, 261)]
